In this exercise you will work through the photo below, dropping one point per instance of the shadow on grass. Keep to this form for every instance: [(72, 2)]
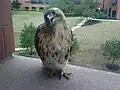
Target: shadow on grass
[(112, 67), (91, 22)]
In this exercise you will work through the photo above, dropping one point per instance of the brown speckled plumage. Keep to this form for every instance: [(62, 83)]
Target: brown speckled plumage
[(53, 48)]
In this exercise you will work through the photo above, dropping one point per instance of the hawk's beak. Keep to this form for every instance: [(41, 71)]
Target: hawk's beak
[(51, 19)]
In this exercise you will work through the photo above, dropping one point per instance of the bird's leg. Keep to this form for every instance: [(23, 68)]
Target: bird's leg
[(50, 72), (64, 74)]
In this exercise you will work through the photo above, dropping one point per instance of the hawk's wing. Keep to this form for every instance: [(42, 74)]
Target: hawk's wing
[(36, 41)]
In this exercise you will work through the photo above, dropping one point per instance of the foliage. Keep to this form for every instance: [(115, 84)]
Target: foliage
[(89, 13), (16, 4), (67, 6), (101, 15), (78, 9), (27, 37), (85, 7), (90, 7), (111, 48), (91, 4), (75, 45)]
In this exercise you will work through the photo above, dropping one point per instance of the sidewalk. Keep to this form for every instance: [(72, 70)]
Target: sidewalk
[(79, 25)]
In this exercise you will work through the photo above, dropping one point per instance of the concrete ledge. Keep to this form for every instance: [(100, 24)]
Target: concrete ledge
[(21, 73)]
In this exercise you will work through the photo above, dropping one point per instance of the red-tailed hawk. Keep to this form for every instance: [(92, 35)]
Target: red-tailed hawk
[(53, 40)]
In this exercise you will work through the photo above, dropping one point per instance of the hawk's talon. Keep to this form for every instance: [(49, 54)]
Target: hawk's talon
[(65, 75), (51, 74)]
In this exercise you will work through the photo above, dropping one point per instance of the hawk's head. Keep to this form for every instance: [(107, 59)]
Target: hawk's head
[(53, 16)]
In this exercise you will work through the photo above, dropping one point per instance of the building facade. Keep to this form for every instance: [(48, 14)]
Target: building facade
[(36, 5), (112, 8)]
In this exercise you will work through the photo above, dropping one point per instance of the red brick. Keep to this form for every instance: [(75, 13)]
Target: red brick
[(1, 11), (9, 40), (5, 11)]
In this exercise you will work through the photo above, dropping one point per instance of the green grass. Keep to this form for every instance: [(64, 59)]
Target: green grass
[(21, 17), (91, 38)]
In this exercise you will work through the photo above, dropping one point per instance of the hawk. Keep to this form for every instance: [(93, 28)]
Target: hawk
[(53, 41)]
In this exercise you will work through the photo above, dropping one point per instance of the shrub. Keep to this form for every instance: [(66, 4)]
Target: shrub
[(79, 9), (101, 15), (75, 45), (111, 49), (27, 37), (16, 4)]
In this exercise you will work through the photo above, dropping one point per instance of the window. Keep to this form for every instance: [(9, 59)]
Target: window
[(114, 14), (41, 8), (37, 2), (26, 8), (33, 8), (27, 1), (114, 2)]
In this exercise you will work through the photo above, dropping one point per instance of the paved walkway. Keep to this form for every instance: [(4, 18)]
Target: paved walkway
[(21, 73), (106, 20), (80, 24)]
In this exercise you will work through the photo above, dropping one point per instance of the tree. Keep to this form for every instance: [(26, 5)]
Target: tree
[(89, 13), (27, 37), (111, 48), (16, 4), (86, 8), (90, 7), (92, 4), (67, 6), (79, 9)]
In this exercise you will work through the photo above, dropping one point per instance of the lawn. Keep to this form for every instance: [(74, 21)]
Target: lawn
[(21, 17), (91, 38)]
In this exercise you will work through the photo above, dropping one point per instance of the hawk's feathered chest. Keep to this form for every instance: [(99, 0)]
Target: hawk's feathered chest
[(53, 48)]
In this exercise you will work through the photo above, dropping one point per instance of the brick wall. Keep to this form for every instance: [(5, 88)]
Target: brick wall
[(6, 29)]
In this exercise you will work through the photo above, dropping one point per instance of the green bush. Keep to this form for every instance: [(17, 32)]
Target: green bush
[(79, 9), (27, 37), (101, 15), (111, 49), (75, 45), (16, 4), (67, 6)]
